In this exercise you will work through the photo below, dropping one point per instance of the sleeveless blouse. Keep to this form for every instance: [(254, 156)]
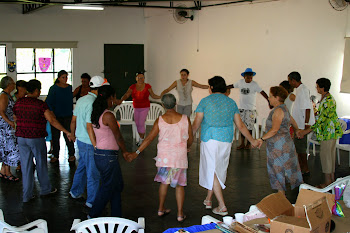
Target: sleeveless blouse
[(185, 92), (105, 139), (140, 98), (172, 144)]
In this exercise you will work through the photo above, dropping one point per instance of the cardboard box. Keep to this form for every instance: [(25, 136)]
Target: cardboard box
[(310, 214)]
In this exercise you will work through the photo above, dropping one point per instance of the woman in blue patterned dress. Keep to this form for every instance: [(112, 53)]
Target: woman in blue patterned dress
[(216, 114), (9, 154), (282, 159)]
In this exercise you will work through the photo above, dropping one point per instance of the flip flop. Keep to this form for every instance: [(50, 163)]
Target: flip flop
[(181, 219), (164, 213)]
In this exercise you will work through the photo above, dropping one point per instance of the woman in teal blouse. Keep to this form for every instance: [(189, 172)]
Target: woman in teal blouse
[(327, 129), (216, 114)]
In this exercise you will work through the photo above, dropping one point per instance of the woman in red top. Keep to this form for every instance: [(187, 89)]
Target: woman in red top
[(140, 93)]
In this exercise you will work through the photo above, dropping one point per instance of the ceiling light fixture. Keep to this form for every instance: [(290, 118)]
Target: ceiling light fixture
[(81, 7)]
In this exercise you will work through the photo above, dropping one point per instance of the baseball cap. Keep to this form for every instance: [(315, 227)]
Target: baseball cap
[(98, 81)]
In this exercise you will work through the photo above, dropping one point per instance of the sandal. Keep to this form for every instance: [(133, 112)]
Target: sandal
[(220, 211), (207, 204), (181, 219), (164, 212), (12, 178)]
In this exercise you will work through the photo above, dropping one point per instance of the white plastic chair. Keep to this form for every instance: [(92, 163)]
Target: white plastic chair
[(263, 127), (121, 225), (314, 143), (126, 111), (37, 226), (345, 147), (206, 219), (339, 181), (155, 111)]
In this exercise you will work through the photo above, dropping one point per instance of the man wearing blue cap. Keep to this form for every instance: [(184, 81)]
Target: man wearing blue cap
[(247, 102)]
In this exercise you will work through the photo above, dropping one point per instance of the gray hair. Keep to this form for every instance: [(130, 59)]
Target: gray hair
[(169, 101), (5, 81)]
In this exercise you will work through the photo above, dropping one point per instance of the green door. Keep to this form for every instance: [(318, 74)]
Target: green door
[(121, 62)]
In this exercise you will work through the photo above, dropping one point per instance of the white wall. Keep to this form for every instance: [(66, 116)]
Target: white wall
[(273, 38), (92, 29)]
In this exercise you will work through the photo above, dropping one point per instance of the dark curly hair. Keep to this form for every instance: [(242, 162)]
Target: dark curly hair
[(101, 104)]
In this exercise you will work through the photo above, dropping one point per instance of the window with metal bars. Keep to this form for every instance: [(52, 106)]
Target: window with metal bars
[(43, 65)]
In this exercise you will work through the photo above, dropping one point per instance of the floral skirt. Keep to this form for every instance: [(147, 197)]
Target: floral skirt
[(172, 176)]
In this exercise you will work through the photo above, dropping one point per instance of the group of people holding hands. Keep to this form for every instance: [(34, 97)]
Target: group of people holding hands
[(95, 129)]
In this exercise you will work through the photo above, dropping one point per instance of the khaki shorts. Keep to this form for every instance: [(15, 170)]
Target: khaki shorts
[(300, 145)]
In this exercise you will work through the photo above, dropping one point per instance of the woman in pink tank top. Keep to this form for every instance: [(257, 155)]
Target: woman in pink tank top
[(175, 136), (107, 140)]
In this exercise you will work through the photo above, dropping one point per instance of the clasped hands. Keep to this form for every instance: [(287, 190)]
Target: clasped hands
[(129, 157)]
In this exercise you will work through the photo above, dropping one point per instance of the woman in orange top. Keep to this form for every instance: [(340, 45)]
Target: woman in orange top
[(140, 93)]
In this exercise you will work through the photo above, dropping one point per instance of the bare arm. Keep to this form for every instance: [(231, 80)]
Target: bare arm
[(307, 116), (277, 118), (73, 125), (190, 134), (242, 128), (292, 97), (150, 137), (4, 101), (172, 86), (54, 122), (75, 92), (263, 93), (126, 95), (91, 133), (109, 120), (154, 132), (197, 122), (195, 84), (154, 96)]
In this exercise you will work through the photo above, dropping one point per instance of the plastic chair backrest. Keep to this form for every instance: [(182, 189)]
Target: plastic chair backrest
[(126, 111), (344, 126), (107, 225), (339, 181), (155, 111)]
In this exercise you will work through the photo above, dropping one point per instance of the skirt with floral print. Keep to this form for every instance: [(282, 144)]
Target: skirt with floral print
[(172, 176)]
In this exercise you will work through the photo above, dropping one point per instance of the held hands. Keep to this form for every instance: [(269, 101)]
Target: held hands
[(12, 124), (300, 133), (256, 143), (129, 157)]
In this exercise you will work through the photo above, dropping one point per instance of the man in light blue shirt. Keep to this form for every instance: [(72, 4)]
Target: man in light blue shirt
[(86, 174)]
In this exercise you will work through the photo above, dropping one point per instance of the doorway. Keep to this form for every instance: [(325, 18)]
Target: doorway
[(121, 62)]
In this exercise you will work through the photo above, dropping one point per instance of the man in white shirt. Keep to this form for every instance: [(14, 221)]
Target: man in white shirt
[(303, 114), (247, 102)]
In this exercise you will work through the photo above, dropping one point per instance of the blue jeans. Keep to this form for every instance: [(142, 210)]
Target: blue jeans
[(86, 174), (29, 148), (111, 183)]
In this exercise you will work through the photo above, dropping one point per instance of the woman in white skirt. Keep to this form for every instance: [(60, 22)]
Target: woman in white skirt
[(216, 114)]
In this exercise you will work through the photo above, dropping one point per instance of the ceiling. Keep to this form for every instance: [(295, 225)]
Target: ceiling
[(32, 5)]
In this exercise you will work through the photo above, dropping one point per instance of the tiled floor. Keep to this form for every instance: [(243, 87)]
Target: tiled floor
[(247, 183)]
